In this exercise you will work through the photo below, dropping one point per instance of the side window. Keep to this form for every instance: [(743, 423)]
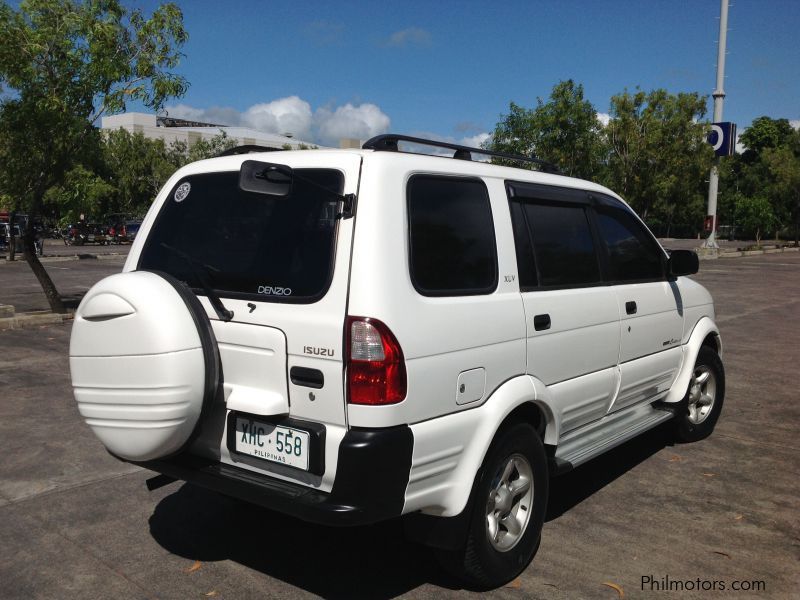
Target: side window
[(526, 267), (632, 253), (563, 245), (451, 236)]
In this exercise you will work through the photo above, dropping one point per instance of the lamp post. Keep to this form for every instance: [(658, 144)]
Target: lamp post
[(719, 98)]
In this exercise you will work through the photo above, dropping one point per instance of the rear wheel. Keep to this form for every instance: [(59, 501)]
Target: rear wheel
[(509, 502), (700, 409)]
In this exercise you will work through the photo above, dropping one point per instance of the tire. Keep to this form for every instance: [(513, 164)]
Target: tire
[(494, 553), (699, 410), (145, 364)]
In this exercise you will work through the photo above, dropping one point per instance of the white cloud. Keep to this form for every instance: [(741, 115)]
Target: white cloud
[(348, 121), (285, 115), (604, 118), (413, 36), (293, 115), (475, 141), (795, 123), (740, 148)]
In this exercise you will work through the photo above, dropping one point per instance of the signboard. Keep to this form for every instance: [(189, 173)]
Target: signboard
[(723, 138)]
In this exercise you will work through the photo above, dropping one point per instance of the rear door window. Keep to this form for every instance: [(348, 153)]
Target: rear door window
[(277, 249), (563, 244)]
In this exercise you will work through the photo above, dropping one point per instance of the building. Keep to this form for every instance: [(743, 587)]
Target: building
[(171, 130)]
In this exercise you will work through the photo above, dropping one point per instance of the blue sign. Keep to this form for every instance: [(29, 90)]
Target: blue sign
[(723, 138)]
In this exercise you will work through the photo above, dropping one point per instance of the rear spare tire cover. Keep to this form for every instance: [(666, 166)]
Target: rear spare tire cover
[(144, 364)]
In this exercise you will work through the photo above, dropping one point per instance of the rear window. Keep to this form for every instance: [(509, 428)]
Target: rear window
[(278, 249)]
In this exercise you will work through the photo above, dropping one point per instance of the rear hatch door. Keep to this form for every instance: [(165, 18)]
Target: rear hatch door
[(281, 265)]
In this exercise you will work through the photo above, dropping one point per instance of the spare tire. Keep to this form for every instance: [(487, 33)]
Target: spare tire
[(144, 363)]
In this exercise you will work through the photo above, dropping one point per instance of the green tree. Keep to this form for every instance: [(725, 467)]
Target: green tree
[(754, 213), (783, 165), (65, 63), (768, 168), (81, 192), (136, 167), (563, 131), (658, 156), (183, 153), (765, 132)]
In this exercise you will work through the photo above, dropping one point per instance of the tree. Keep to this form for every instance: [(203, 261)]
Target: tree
[(82, 192), (136, 167), (658, 155), (769, 168), (754, 213), (765, 132), (183, 153), (783, 165), (564, 131), (65, 64)]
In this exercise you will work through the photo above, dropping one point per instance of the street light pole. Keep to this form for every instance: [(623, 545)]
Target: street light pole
[(719, 98)]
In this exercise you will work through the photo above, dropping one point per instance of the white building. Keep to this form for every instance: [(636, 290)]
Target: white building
[(171, 129)]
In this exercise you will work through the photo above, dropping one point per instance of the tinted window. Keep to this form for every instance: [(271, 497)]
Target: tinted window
[(563, 245), (526, 268), (632, 253), (278, 248), (451, 233)]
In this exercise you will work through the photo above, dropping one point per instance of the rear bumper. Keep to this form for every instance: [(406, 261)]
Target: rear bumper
[(370, 483)]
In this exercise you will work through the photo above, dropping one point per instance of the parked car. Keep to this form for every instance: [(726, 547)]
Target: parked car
[(132, 230), (96, 234), (19, 248), (360, 335)]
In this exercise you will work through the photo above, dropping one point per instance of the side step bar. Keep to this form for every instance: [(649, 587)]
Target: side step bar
[(582, 445)]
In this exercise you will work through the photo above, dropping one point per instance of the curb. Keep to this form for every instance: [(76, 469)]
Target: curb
[(34, 319), (749, 253)]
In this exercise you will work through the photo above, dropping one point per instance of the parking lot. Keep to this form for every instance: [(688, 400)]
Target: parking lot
[(74, 522)]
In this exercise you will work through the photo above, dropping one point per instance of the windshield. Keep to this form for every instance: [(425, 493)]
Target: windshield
[(278, 249)]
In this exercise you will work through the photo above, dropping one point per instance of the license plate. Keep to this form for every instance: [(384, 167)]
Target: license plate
[(275, 443), (91, 238)]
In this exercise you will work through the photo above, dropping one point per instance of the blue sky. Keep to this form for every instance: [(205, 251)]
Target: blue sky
[(324, 70)]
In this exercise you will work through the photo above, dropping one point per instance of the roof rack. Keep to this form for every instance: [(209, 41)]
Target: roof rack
[(388, 142), (246, 150)]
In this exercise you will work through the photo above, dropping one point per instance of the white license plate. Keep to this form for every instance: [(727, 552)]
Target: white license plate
[(271, 442)]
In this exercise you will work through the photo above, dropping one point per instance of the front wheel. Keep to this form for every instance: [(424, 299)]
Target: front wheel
[(509, 502), (699, 411)]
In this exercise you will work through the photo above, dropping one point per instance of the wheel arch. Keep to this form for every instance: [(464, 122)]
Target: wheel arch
[(520, 399), (705, 333)]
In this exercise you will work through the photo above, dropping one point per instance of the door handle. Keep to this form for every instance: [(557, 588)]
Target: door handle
[(630, 307), (541, 322), (312, 378)]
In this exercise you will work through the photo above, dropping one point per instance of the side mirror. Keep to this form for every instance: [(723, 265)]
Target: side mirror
[(265, 178), (683, 262)]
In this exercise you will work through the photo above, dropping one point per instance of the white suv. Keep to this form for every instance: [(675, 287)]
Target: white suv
[(349, 336)]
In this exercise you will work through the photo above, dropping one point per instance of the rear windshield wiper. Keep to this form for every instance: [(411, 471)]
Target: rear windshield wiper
[(201, 274)]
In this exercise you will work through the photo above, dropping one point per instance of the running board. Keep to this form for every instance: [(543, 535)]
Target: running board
[(591, 440)]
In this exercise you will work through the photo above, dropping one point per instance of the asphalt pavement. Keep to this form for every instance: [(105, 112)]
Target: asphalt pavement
[(75, 522)]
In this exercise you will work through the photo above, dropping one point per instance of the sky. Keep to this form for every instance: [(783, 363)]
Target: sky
[(448, 69)]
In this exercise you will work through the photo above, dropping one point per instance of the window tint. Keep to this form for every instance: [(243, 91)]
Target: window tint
[(563, 245), (632, 253), (526, 268), (451, 235), (277, 248)]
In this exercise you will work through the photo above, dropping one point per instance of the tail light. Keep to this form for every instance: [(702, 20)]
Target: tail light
[(376, 369)]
